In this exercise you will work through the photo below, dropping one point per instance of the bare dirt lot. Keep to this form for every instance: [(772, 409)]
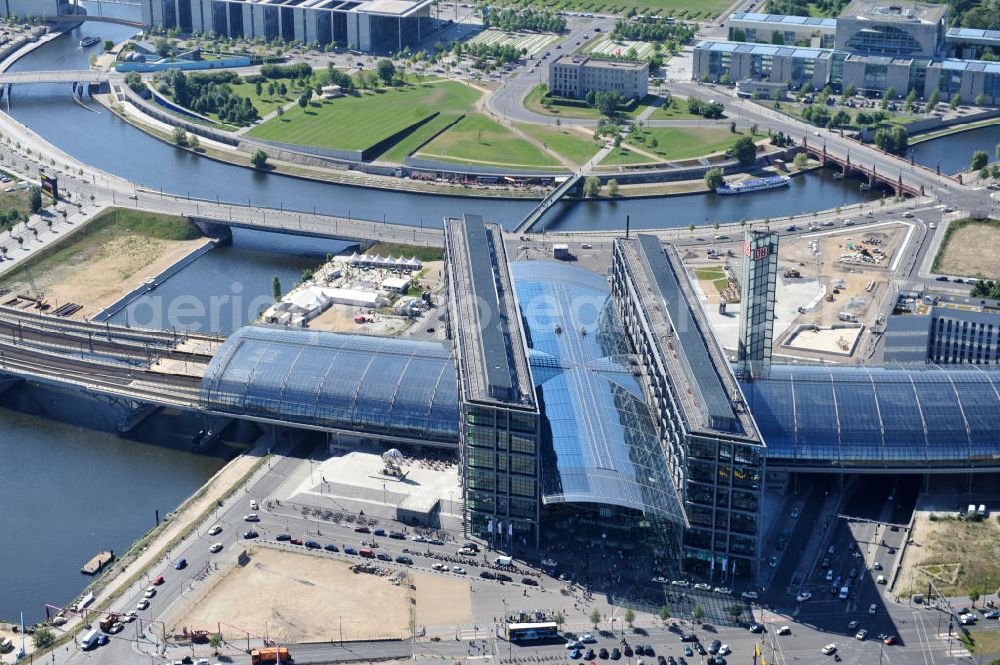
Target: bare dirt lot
[(973, 250), (958, 555), (299, 597)]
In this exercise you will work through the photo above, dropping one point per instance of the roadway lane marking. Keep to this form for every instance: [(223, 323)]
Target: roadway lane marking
[(902, 247), (847, 229)]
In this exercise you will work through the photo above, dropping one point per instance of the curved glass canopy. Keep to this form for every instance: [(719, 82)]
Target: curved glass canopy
[(360, 383), (600, 441), (883, 417)]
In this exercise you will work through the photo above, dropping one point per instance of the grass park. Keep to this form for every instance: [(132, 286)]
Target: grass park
[(675, 109), (476, 139), (533, 102), (672, 144), (533, 42), (971, 248), (576, 146)]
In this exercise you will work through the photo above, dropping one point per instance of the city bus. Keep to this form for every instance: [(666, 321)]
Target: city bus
[(531, 632)]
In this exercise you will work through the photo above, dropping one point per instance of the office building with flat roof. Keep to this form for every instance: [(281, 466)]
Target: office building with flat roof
[(499, 418), (877, 45), (944, 329), (574, 76), (371, 26), (715, 454), (782, 30)]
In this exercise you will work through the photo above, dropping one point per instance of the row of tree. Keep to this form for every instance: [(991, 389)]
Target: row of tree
[(501, 53), (710, 110), (651, 29), (523, 19)]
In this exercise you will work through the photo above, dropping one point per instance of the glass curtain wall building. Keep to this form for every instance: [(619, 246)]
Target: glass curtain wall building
[(760, 274), (712, 446), (499, 413)]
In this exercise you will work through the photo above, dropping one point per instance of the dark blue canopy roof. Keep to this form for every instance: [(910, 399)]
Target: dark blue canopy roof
[(881, 417)]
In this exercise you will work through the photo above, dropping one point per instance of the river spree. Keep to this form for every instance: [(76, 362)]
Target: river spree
[(953, 153)]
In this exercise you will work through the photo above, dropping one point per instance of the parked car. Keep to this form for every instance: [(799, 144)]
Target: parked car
[(331, 548), (312, 545), (283, 537), (216, 547), (215, 530), (181, 564)]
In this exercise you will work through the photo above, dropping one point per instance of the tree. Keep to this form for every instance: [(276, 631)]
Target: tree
[(612, 188), (193, 142), (800, 160), (215, 641), (653, 143), (713, 180), (591, 187), (956, 99), (664, 613), (162, 47), (179, 136), (996, 151), (892, 140), (933, 100), (980, 99), (736, 611), (979, 160), (276, 288), (386, 70), (259, 88), (43, 638), (108, 44), (630, 616), (259, 159), (732, 127), (595, 617), (974, 595), (697, 613), (744, 150), (35, 200), (608, 103), (305, 97), (559, 619)]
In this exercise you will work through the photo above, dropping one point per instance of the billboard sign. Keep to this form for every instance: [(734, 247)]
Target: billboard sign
[(50, 186)]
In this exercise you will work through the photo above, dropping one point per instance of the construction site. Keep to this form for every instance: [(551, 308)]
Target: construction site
[(830, 289)]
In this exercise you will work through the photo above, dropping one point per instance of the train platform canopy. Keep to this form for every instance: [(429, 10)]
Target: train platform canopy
[(378, 387), (924, 418)]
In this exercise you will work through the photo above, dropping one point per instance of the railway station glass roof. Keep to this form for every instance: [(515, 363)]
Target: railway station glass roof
[(360, 383), (604, 447), (925, 416)]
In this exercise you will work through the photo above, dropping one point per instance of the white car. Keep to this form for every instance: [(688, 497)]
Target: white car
[(215, 530), (861, 635), (588, 638), (254, 505), (458, 570), (216, 547), (828, 649), (784, 630), (418, 539), (872, 609), (803, 597), (252, 517), (724, 650), (150, 592), (143, 604)]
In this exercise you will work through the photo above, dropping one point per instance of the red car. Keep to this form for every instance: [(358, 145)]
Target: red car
[(159, 580), (295, 541), (889, 640), (367, 553), (362, 529)]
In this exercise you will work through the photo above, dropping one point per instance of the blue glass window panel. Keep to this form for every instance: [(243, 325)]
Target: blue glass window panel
[(860, 427), (902, 428), (943, 419)]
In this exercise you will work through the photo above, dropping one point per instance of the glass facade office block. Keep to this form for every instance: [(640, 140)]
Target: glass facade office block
[(884, 40)]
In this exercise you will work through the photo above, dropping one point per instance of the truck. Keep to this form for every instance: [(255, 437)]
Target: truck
[(847, 316), (89, 639), (270, 655), (107, 621)]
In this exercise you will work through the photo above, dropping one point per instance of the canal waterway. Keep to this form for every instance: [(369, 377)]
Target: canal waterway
[(953, 153), (70, 492), (107, 142), (229, 286)]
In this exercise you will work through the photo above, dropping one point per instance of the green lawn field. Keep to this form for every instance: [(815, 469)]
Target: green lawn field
[(359, 121), (570, 143), (675, 110), (533, 102), (674, 143), (477, 139)]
